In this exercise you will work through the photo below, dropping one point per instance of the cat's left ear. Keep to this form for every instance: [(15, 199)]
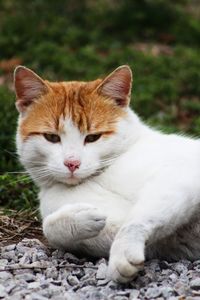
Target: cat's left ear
[(28, 87), (117, 86)]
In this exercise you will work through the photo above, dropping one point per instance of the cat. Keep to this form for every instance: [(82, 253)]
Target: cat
[(109, 184)]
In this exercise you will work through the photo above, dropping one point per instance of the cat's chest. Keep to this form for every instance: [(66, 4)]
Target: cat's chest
[(128, 175)]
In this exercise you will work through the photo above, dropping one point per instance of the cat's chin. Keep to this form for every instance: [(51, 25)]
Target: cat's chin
[(73, 181)]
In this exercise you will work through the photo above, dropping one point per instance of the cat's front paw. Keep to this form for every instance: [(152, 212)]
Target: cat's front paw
[(72, 224), (89, 222), (126, 259)]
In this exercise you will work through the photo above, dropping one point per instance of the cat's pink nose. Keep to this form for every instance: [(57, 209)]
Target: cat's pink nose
[(72, 164)]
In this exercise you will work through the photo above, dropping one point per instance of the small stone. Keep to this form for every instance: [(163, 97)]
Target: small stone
[(71, 296), (94, 295), (51, 272), (3, 262), (34, 285), (173, 277), (195, 284), (28, 277), (90, 281), (134, 294), (69, 257), (153, 292), (5, 275), (180, 268), (56, 290), (25, 259), (9, 248), (9, 255), (22, 249), (181, 288), (112, 285), (3, 293), (78, 273), (73, 280), (167, 291), (101, 272), (36, 296), (58, 254), (33, 243), (101, 282)]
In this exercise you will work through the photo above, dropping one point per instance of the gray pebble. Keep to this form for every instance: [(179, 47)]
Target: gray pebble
[(102, 271), (8, 248), (195, 284), (153, 292), (5, 275), (10, 255), (180, 268), (3, 293), (3, 262), (73, 280), (35, 296), (71, 258), (166, 291), (46, 277), (51, 272), (34, 285), (26, 276), (134, 294)]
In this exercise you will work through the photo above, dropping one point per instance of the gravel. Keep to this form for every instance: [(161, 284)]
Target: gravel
[(29, 270)]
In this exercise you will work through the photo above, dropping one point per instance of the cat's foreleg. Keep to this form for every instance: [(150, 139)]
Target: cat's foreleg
[(72, 223), (155, 216)]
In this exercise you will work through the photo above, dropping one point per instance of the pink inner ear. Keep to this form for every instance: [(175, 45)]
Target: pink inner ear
[(118, 85), (28, 87)]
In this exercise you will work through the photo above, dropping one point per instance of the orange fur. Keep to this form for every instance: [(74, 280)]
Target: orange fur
[(90, 111)]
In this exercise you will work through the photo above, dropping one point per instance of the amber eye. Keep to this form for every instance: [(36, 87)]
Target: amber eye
[(90, 138), (53, 138)]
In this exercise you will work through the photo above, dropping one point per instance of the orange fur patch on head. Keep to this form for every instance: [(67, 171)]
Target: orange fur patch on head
[(90, 111)]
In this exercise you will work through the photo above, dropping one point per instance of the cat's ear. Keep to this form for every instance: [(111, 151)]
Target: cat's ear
[(28, 87), (117, 86)]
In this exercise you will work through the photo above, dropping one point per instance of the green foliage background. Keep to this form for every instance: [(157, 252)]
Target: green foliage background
[(82, 40)]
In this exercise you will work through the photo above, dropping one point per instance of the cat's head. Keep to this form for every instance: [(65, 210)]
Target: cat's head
[(69, 131)]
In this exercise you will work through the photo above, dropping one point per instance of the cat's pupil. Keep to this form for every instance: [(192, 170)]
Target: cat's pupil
[(53, 138), (90, 138)]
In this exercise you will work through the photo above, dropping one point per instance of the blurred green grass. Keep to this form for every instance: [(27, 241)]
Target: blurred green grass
[(83, 40)]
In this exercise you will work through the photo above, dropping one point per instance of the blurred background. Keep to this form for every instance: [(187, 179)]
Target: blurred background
[(85, 39)]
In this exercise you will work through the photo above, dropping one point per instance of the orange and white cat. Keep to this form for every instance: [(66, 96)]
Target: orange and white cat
[(108, 183)]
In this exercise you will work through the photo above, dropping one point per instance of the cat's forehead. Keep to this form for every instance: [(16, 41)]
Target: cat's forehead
[(78, 102)]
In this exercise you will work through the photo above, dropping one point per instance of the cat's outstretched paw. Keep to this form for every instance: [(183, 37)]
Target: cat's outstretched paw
[(125, 261), (73, 223)]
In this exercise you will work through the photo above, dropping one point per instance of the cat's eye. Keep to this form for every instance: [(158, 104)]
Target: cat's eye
[(90, 138), (51, 137)]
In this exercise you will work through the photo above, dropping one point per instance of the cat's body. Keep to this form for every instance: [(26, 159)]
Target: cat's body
[(137, 190), (118, 189)]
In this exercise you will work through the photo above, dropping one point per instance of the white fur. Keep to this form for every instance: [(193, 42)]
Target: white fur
[(150, 188)]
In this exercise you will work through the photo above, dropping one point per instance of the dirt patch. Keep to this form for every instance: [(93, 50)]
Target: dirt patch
[(16, 225)]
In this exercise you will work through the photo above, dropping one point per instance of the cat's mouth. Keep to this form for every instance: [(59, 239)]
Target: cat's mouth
[(73, 180)]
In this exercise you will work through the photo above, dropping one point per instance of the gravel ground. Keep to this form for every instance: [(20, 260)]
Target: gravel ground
[(31, 271)]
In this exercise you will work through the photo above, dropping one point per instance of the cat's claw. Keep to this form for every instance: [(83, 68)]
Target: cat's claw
[(125, 262)]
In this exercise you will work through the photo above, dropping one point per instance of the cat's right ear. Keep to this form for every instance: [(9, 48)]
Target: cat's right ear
[(28, 87)]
